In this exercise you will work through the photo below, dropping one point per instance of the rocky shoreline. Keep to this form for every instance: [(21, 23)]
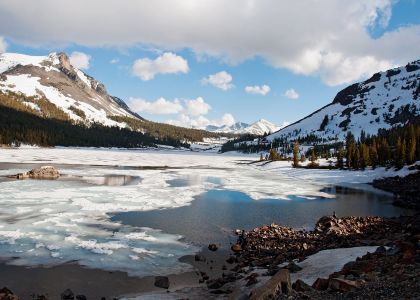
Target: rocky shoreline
[(264, 258), (405, 189)]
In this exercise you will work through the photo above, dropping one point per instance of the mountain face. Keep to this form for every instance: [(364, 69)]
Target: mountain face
[(385, 100), (80, 96), (258, 128)]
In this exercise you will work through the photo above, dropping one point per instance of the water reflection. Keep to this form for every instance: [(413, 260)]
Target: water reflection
[(215, 214)]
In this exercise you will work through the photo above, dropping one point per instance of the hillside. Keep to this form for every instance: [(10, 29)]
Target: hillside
[(386, 100), (51, 88)]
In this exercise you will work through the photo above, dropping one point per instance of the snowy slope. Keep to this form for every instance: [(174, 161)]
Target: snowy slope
[(70, 89), (385, 100), (258, 128)]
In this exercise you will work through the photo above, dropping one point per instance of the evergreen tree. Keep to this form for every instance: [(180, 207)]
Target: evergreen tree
[(340, 158), (373, 154), (296, 154)]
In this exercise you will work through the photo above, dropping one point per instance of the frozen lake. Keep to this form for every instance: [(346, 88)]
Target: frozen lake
[(140, 211)]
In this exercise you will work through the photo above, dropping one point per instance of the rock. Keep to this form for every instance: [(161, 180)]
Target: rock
[(199, 257), (293, 268), (44, 172), (231, 260), (301, 286), (67, 295), (236, 248), (213, 247), (342, 285), (6, 294), (278, 284), (162, 282), (321, 284), (215, 283)]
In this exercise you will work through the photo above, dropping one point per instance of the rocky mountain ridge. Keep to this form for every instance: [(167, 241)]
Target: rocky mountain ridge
[(385, 100)]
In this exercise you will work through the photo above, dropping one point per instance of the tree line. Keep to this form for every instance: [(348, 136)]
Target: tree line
[(395, 147), (37, 121)]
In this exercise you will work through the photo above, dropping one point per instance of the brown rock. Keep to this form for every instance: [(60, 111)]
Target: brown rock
[(6, 294), (342, 285), (301, 286), (44, 172), (236, 248), (278, 284), (321, 284)]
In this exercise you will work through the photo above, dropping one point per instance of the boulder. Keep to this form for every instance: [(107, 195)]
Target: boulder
[(6, 294), (67, 295), (276, 285), (44, 172), (162, 282), (321, 284), (236, 248), (342, 285), (301, 286), (213, 247)]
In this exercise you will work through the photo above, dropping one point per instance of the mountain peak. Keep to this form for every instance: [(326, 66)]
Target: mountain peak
[(80, 96), (385, 100)]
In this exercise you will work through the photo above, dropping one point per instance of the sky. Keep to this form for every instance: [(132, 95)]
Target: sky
[(199, 62)]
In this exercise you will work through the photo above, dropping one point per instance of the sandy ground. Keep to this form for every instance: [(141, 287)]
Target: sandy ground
[(95, 283)]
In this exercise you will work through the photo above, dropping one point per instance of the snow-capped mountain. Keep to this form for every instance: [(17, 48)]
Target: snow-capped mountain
[(80, 96), (238, 126), (387, 99), (258, 128)]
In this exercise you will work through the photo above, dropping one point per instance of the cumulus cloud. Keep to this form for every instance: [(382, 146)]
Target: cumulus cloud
[(256, 89), (188, 107), (3, 45), (197, 107), (256, 29), (161, 106), (167, 63), (80, 60), (221, 80), (201, 122), (291, 94)]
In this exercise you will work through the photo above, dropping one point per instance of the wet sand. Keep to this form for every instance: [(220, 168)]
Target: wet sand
[(94, 283)]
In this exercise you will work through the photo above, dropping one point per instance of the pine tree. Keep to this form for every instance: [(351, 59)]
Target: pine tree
[(340, 157), (302, 158), (373, 154), (364, 156), (349, 149), (295, 154)]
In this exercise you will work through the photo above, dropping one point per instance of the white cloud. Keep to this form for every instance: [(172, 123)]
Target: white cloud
[(161, 106), (167, 63), (114, 61), (80, 60), (187, 107), (262, 90), (256, 29), (197, 107), (3, 45), (291, 94), (221, 80), (201, 122), (227, 119)]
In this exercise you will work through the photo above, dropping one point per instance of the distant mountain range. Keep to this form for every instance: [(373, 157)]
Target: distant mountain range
[(386, 100), (260, 127)]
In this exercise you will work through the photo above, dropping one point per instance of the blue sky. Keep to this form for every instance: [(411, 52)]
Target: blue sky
[(315, 56)]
